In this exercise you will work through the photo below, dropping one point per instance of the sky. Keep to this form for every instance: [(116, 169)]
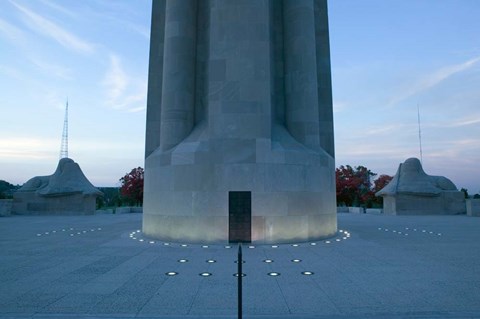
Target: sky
[(389, 60)]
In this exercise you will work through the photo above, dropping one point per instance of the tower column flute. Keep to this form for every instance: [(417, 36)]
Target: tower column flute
[(178, 88), (301, 94), (324, 82), (218, 70), (155, 78)]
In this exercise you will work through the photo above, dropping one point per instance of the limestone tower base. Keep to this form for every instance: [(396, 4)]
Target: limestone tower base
[(239, 140)]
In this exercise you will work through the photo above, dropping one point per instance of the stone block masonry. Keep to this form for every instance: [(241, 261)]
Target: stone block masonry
[(239, 99)]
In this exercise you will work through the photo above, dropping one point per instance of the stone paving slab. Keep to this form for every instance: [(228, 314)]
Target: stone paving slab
[(376, 267)]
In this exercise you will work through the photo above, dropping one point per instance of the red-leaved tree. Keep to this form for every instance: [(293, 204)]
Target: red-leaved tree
[(353, 185), (381, 182), (132, 187)]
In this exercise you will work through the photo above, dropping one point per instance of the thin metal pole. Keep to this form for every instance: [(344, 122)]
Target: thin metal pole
[(419, 134), (239, 269)]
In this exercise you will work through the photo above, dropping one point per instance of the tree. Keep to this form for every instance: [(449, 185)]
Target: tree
[(379, 184), (465, 192), (353, 185), (111, 197), (132, 187), (7, 189)]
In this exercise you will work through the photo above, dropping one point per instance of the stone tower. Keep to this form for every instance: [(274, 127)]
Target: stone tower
[(239, 137)]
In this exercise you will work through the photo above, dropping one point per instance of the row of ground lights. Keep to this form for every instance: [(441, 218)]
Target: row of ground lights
[(208, 274), (211, 261), (343, 233), (72, 230), (424, 231)]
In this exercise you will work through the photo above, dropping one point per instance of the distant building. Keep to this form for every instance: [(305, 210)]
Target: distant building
[(66, 192)]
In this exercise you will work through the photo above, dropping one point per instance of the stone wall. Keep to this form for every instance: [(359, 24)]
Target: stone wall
[(356, 210), (30, 203), (107, 211), (446, 203), (473, 207), (374, 211), (342, 209), (128, 210), (5, 207)]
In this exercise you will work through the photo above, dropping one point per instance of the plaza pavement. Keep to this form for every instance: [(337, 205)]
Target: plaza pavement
[(377, 267)]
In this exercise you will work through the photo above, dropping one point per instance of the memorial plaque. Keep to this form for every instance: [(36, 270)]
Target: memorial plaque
[(240, 217)]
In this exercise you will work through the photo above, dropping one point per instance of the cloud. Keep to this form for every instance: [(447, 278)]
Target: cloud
[(123, 15), (11, 72), (52, 30), (145, 32), (131, 26), (465, 122), (59, 8), (137, 109), (339, 106), (461, 152), (115, 81), (382, 130), (52, 69), (124, 92), (472, 119), (11, 32), (53, 99), (28, 148), (433, 79), (374, 150)]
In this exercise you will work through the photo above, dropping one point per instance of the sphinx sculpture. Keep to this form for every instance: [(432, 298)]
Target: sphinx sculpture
[(413, 192), (65, 192)]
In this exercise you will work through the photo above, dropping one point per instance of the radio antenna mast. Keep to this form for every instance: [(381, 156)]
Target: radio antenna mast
[(64, 146), (419, 134)]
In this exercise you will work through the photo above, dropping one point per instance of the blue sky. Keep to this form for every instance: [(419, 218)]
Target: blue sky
[(387, 58)]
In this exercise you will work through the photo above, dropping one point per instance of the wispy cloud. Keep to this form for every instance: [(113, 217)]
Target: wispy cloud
[(11, 72), (121, 15), (471, 120), (433, 79), (145, 32), (55, 100), (53, 69), (382, 130), (460, 151), (49, 29), (131, 26), (28, 148), (137, 109), (59, 8), (115, 81), (11, 32), (468, 142), (369, 150), (339, 106), (456, 144), (123, 92)]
